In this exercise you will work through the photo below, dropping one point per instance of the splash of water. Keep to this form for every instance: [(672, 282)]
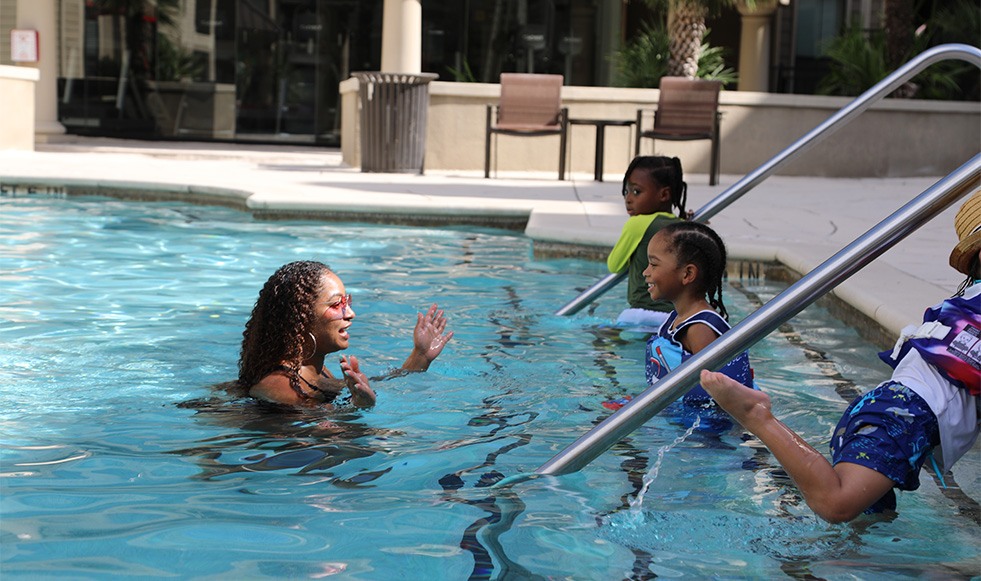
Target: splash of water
[(637, 501)]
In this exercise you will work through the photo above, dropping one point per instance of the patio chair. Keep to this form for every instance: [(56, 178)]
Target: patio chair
[(687, 109), (530, 106)]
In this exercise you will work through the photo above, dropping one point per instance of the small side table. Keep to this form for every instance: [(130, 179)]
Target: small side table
[(601, 125)]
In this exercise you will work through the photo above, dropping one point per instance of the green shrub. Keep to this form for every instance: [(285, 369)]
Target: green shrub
[(644, 60), (712, 65), (858, 59)]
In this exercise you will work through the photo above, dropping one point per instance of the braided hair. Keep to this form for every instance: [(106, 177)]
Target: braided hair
[(664, 171), (695, 243), (276, 332)]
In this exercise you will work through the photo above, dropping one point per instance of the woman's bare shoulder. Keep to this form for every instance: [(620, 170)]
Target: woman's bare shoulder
[(275, 387)]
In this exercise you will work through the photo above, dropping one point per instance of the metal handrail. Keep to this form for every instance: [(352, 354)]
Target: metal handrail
[(781, 308), (751, 180)]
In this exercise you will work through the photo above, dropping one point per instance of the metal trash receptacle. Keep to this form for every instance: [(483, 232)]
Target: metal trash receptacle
[(394, 108)]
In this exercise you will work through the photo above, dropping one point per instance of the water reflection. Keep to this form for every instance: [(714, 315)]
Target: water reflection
[(304, 441)]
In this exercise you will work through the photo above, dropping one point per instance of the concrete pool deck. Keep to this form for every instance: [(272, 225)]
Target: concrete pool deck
[(796, 221)]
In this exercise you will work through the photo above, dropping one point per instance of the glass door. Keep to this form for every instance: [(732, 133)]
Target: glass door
[(291, 55), (258, 69)]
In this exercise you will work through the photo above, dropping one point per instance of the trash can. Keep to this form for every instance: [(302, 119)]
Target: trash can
[(394, 108)]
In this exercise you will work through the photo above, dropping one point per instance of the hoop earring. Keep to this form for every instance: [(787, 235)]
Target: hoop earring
[(312, 336)]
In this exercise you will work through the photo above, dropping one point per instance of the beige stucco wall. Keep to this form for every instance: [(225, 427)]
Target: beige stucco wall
[(17, 85), (41, 15), (895, 138)]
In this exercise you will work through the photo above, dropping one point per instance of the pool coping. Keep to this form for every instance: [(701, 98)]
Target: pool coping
[(262, 208)]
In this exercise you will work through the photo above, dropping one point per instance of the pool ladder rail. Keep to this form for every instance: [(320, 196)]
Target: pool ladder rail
[(798, 296)]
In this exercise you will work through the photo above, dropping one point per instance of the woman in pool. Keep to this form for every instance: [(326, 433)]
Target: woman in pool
[(885, 436), (302, 314)]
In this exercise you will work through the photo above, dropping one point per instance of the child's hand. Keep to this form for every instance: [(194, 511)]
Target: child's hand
[(362, 395), (428, 338)]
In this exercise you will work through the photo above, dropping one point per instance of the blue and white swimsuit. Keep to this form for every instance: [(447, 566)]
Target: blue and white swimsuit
[(665, 352)]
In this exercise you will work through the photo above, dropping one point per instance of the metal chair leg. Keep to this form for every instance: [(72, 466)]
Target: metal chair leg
[(714, 171), (487, 143), (562, 142), (640, 130)]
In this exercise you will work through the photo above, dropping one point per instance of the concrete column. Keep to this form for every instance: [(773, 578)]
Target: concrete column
[(41, 15), (402, 36), (17, 101), (754, 45)]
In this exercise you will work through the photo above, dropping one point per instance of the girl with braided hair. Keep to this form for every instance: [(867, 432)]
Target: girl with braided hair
[(302, 314), (686, 265), (652, 188)]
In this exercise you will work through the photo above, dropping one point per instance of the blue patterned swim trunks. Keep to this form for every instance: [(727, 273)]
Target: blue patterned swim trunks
[(891, 430)]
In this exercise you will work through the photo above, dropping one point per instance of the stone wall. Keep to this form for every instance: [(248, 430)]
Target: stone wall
[(17, 86), (894, 138)]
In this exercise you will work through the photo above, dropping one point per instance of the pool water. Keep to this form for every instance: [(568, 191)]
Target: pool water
[(119, 459)]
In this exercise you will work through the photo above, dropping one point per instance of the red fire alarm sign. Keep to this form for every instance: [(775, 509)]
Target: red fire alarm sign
[(24, 46)]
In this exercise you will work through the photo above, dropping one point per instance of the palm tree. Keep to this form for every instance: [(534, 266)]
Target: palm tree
[(899, 31), (686, 28)]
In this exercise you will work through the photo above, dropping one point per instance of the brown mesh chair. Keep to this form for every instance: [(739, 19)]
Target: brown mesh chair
[(687, 109), (530, 105)]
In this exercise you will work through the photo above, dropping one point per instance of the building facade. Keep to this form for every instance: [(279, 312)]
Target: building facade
[(268, 70)]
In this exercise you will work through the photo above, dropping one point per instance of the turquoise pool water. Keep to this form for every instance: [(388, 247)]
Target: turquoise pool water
[(119, 460)]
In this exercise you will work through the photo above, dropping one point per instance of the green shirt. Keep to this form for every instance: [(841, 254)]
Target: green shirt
[(630, 252)]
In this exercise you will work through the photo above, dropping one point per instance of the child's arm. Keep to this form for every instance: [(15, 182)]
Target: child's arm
[(697, 337), (631, 235)]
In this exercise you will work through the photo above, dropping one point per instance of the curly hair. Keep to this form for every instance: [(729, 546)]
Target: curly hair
[(275, 332), (695, 243), (665, 171)]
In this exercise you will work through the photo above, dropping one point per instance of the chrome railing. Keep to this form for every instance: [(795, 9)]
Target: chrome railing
[(751, 180)]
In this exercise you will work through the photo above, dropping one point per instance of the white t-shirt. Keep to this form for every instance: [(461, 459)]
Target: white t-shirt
[(955, 408)]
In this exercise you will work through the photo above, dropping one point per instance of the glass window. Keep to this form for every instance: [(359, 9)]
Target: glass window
[(477, 40), (818, 22)]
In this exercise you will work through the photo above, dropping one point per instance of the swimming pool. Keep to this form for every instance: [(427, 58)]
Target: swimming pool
[(119, 460)]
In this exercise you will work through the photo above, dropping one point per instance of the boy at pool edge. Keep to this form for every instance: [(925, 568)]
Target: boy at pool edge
[(651, 187), (885, 436)]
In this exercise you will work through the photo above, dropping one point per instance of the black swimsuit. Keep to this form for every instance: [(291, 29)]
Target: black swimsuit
[(329, 395)]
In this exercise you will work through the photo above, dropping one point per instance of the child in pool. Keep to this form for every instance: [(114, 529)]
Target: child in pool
[(686, 266), (885, 436), (652, 186), (686, 263)]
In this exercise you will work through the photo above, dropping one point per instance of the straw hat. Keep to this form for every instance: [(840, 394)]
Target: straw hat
[(967, 224)]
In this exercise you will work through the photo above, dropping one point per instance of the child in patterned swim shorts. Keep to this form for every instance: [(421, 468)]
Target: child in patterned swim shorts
[(927, 410)]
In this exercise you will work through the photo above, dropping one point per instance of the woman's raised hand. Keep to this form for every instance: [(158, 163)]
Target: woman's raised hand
[(428, 339), (428, 336)]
